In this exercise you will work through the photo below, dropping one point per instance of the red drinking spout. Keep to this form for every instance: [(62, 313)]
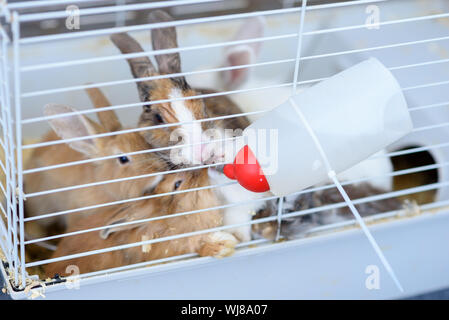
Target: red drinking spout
[(247, 171)]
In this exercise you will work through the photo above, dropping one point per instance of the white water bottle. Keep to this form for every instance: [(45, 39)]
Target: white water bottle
[(346, 118)]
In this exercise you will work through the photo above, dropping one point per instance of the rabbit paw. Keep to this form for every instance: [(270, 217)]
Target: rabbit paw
[(219, 245), (243, 234)]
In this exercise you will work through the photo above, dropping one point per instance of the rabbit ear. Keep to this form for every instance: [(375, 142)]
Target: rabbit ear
[(124, 215), (105, 233), (244, 53), (141, 67), (165, 38), (74, 126), (108, 118)]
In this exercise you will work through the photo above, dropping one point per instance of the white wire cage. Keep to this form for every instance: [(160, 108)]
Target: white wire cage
[(45, 62)]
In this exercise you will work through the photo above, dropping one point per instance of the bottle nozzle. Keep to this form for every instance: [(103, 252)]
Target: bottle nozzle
[(247, 171)]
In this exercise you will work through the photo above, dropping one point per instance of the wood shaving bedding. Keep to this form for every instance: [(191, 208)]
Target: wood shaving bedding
[(26, 153)]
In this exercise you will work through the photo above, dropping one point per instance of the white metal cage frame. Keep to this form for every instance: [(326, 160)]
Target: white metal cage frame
[(17, 123)]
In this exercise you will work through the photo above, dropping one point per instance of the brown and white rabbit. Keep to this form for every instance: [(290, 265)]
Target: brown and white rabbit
[(121, 166), (188, 110), (181, 110), (216, 244), (245, 204)]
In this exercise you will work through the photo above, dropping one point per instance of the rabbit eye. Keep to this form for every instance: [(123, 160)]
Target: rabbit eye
[(158, 118), (123, 159), (178, 184)]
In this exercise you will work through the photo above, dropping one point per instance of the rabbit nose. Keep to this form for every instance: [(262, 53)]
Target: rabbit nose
[(207, 152)]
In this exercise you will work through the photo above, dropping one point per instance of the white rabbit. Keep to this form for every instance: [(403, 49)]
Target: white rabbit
[(267, 99), (123, 166)]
